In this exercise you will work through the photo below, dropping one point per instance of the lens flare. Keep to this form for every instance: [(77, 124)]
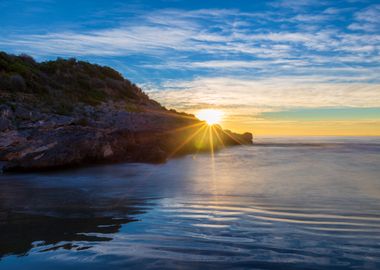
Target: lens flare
[(211, 116)]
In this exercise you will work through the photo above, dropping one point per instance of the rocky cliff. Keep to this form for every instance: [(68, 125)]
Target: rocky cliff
[(65, 113)]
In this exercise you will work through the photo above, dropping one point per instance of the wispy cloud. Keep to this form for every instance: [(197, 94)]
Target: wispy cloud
[(296, 4), (117, 41), (266, 94), (226, 38), (367, 19), (303, 53)]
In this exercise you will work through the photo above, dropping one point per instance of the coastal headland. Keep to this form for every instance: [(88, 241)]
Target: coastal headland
[(66, 113)]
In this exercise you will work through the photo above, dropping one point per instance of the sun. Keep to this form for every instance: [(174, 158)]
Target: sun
[(211, 116)]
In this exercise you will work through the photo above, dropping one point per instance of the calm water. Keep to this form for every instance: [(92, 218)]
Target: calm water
[(287, 204)]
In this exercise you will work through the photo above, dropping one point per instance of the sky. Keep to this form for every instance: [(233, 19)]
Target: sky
[(296, 67)]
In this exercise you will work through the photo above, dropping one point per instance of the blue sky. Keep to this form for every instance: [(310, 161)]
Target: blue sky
[(249, 58)]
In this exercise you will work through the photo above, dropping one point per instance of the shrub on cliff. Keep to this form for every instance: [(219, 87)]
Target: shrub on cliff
[(62, 83)]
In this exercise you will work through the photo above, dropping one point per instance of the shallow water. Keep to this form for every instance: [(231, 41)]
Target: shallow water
[(286, 203)]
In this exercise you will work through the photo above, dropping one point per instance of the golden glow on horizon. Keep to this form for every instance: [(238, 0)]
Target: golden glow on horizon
[(211, 116), (236, 121), (304, 128), (245, 103)]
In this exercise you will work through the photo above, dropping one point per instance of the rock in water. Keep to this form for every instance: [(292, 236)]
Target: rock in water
[(70, 113)]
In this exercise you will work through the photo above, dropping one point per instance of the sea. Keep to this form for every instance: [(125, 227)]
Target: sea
[(283, 203)]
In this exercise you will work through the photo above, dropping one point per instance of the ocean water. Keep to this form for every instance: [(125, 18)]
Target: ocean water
[(285, 203)]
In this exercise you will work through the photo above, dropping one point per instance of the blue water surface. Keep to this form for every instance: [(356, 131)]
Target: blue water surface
[(284, 203)]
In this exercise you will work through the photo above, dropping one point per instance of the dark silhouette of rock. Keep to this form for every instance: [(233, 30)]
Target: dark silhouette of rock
[(71, 113)]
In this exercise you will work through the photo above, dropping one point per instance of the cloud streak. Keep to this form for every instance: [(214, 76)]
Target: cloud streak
[(266, 94), (292, 54)]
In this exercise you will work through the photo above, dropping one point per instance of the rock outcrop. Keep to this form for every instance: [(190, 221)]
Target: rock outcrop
[(45, 125)]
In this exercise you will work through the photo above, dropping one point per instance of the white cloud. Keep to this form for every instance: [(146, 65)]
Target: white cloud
[(221, 41), (254, 96), (118, 41), (296, 4), (307, 18), (367, 19), (211, 32)]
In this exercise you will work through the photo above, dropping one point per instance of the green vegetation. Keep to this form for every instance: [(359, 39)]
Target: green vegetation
[(62, 83)]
